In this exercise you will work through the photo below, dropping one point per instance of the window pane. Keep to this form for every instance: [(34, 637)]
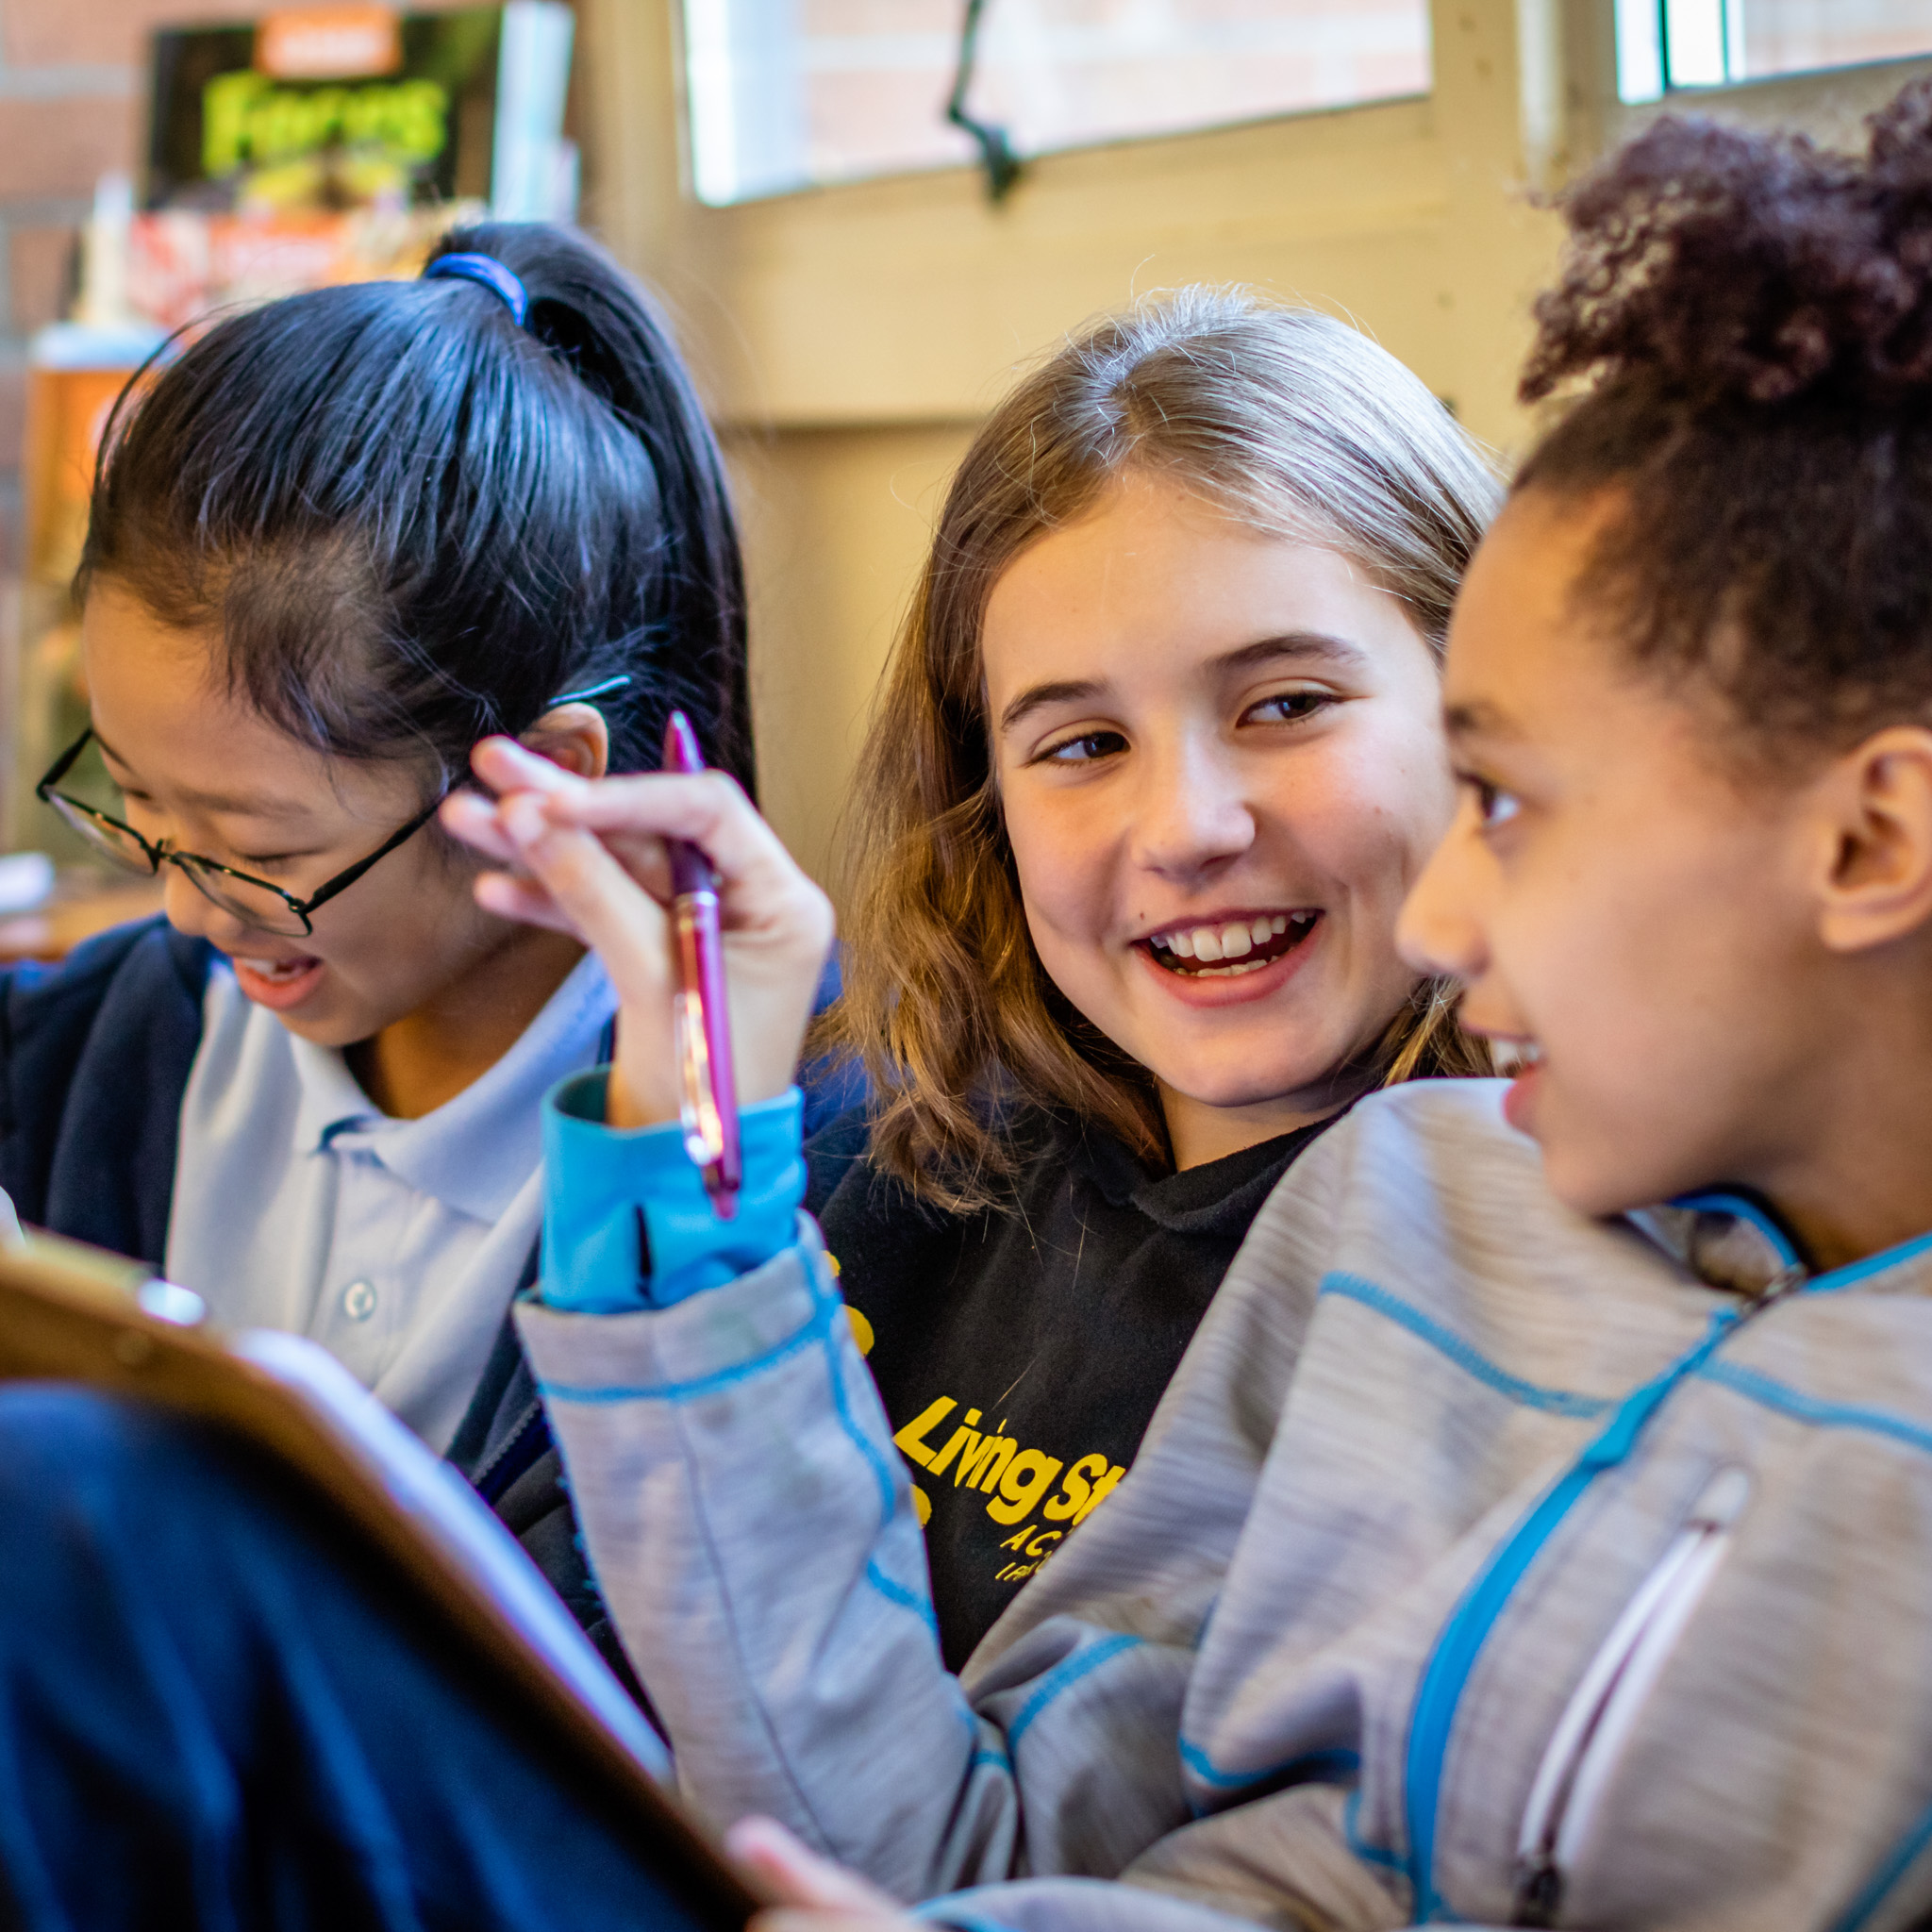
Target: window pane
[(1790, 36), (787, 93), (1678, 44)]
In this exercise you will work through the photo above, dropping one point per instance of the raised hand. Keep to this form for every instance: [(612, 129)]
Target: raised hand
[(586, 856)]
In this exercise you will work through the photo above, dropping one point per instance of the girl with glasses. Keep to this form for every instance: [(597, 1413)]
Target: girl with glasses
[(333, 543)]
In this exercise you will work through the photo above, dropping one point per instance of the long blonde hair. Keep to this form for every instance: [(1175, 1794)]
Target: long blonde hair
[(1282, 417)]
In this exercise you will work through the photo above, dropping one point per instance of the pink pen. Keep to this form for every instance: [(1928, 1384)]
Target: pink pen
[(707, 1104)]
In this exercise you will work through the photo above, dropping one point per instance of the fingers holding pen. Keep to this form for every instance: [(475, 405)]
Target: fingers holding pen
[(633, 816), (591, 858), (595, 892), (482, 822)]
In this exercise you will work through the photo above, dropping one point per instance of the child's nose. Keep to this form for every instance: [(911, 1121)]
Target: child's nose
[(1192, 813), (1440, 929), (188, 912)]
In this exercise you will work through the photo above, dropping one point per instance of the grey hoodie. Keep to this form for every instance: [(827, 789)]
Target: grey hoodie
[(1482, 1562)]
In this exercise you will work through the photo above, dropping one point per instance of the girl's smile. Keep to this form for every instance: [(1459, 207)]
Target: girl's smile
[(279, 984), (1228, 959)]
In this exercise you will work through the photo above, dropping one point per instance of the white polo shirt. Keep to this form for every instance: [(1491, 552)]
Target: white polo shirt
[(396, 1244)]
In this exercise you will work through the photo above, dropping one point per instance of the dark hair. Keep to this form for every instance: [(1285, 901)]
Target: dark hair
[(413, 523), (1758, 313)]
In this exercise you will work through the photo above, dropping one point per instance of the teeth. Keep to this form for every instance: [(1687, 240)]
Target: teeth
[(274, 969), (1233, 941)]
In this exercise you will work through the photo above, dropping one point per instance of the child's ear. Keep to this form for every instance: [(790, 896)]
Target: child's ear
[(1875, 884), (573, 736)]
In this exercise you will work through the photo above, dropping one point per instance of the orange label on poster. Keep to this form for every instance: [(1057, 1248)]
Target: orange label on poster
[(329, 43)]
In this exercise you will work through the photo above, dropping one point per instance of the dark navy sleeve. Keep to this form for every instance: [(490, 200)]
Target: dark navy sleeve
[(94, 1058), (832, 1084)]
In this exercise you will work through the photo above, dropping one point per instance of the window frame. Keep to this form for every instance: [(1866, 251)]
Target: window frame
[(908, 299), (691, 143), (1644, 60)]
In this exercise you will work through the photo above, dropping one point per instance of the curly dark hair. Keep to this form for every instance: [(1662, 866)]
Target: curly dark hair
[(1758, 315)]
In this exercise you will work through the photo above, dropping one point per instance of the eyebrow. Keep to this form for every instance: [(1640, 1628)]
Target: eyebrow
[(1479, 718), (1301, 645), (248, 805)]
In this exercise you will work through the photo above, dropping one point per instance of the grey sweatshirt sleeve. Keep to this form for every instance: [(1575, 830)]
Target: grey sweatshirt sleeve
[(751, 1526)]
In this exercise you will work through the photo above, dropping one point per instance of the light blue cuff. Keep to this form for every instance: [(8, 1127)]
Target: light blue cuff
[(626, 1222)]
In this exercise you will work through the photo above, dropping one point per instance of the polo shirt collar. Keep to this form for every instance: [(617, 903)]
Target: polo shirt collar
[(477, 1150)]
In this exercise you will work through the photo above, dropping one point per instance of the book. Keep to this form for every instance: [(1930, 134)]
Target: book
[(73, 1314), (358, 107)]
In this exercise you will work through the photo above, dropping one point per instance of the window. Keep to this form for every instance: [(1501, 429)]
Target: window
[(1672, 43), (784, 94)]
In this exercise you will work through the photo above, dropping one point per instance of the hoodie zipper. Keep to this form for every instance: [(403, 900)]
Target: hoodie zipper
[(1590, 1738)]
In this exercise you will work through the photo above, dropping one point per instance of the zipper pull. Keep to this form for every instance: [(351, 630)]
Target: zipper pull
[(1539, 1892)]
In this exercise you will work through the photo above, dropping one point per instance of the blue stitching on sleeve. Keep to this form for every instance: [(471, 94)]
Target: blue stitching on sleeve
[(906, 1599), (1777, 1396), (1324, 1767), (1368, 1854), (937, 1912), (1062, 1677), (867, 1448), (1470, 1360), (812, 1331), (1879, 1886)]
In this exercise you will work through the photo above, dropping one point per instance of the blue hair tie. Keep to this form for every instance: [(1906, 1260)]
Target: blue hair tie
[(488, 272)]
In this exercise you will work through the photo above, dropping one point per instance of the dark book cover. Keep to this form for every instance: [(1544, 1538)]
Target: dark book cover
[(251, 118)]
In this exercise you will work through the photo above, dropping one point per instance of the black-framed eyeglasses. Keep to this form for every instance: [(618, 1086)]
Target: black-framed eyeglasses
[(253, 901)]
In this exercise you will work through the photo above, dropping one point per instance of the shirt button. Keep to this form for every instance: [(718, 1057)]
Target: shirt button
[(359, 1300)]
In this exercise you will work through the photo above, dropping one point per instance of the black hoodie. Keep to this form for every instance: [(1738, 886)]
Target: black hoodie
[(1020, 1351)]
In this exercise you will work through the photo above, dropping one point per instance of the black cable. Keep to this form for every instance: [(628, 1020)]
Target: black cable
[(1003, 166)]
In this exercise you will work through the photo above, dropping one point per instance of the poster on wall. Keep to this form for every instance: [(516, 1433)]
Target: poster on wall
[(335, 143), (338, 108)]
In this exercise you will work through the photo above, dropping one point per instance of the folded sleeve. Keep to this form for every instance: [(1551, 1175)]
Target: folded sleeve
[(627, 1221)]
